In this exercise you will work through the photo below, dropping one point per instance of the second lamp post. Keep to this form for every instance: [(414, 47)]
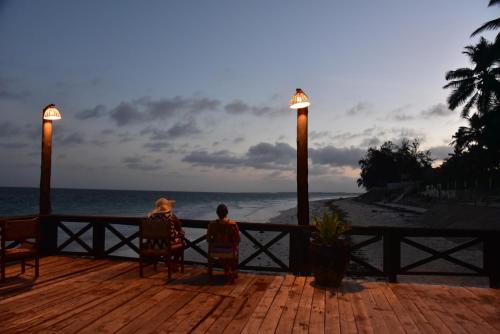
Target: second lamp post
[(300, 101)]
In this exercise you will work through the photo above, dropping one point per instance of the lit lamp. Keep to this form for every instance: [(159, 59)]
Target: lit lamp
[(49, 114), (300, 101)]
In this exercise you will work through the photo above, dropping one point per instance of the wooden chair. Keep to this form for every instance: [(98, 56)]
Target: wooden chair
[(157, 241), (26, 233), (223, 247)]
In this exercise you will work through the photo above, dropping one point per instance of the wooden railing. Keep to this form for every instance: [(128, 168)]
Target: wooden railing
[(285, 246)]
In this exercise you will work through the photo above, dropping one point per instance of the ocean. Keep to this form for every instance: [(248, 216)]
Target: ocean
[(252, 207)]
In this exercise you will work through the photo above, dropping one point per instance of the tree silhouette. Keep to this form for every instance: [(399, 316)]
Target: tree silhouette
[(393, 163), (478, 86), (490, 25)]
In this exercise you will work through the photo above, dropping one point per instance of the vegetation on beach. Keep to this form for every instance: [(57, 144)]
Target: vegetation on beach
[(393, 163), (476, 155)]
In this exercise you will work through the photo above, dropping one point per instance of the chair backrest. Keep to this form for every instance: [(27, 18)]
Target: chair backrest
[(157, 230), (19, 230), (222, 234)]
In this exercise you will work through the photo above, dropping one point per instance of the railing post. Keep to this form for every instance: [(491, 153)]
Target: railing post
[(299, 252), (392, 255), (491, 260), (48, 234), (98, 239)]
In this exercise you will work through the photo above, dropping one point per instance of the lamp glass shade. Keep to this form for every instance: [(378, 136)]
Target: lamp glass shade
[(299, 100), (51, 113)]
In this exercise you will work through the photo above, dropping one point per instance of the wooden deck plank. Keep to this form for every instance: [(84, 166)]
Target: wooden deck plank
[(317, 320), (301, 323), (240, 308), (251, 300), (401, 313), (105, 296), (122, 315), (414, 311), (359, 308), (346, 313), (223, 307), (332, 313), (190, 314), (390, 319), (442, 311), (277, 307), (433, 319), (69, 311), (170, 302), (486, 311), (376, 317), (456, 310), (253, 324), (287, 319)]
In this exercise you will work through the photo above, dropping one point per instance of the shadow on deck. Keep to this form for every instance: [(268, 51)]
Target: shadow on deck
[(90, 296)]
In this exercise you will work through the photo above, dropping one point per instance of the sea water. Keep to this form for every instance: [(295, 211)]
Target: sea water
[(252, 207), (248, 207)]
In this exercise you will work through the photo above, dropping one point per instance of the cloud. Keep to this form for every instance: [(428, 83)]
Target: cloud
[(400, 114), (145, 109), (238, 140), (126, 113), (218, 159), (142, 163), (334, 156), (440, 152), (266, 155), (360, 108), (95, 112), (166, 107), (438, 110), (370, 142), (64, 138), (181, 129), (156, 146), (238, 107), (278, 156)]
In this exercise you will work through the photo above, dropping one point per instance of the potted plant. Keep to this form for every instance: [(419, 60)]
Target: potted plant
[(329, 249)]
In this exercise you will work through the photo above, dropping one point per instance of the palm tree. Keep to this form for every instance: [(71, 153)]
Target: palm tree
[(490, 25), (478, 86)]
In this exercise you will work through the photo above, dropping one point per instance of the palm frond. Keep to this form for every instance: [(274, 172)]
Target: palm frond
[(458, 83), (468, 106), (459, 96), (459, 73), (490, 25)]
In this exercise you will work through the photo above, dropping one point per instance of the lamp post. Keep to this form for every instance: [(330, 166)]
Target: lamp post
[(49, 114), (300, 101)]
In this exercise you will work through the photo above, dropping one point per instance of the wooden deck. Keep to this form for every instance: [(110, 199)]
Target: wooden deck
[(75, 295)]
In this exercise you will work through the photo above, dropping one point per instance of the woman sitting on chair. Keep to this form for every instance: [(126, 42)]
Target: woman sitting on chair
[(163, 212), (223, 238)]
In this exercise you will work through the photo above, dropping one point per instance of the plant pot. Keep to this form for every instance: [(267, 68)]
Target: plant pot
[(329, 263)]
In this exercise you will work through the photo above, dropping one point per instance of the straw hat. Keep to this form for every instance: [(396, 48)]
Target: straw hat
[(163, 205)]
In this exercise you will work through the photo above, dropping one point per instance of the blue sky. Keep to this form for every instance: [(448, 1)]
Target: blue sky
[(192, 95)]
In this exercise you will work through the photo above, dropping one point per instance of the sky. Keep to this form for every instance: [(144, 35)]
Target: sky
[(193, 95)]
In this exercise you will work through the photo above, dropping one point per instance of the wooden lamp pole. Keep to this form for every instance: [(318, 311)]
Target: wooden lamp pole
[(299, 241), (300, 101), (49, 114)]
